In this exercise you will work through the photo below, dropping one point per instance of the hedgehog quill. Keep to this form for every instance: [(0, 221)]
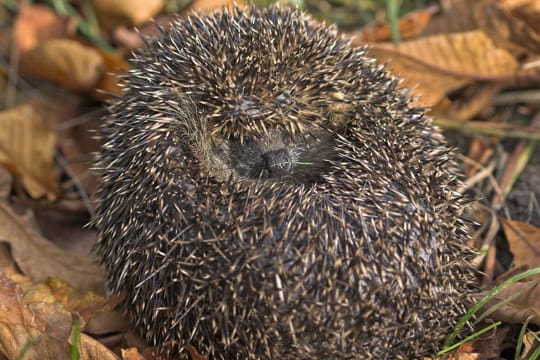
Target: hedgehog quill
[(268, 193)]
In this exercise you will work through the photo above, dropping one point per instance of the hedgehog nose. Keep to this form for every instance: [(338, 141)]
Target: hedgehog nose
[(276, 162)]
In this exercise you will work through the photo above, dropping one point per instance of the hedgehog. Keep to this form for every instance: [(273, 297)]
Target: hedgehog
[(268, 192)]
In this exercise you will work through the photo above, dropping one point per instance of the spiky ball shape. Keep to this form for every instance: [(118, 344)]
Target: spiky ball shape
[(267, 193)]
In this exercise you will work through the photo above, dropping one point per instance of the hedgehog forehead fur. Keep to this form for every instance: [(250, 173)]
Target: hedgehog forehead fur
[(267, 193)]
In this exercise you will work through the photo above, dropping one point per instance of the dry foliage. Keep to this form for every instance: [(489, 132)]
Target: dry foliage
[(476, 64)]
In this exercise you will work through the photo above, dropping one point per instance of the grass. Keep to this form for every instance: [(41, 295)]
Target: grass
[(449, 343)]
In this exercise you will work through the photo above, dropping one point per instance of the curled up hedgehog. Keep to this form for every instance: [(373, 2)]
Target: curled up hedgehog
[(267, 193)]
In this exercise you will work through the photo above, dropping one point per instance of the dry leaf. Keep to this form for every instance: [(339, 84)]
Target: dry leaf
[(86, 305), (43, 327), (524, 241), (510, 24), (519, 309), (530, 343), (527, 10), (40, 259), (91, 349), (513, 25), (439, 64), (66, 62), (206, 6), (410, 25), (36, 24), (32, 316), (475, 98), (113, 13), (27, 149), (108, 83), (131, 354)]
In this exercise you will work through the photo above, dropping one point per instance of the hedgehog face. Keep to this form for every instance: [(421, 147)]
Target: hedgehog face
[(278, 156)]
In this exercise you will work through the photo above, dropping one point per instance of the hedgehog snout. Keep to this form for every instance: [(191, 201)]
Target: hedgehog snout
[(276, 163)]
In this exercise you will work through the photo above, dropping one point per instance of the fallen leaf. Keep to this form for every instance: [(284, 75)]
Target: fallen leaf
[(518, 302), (206, 6), (114, 13), (510, 24), (439, 64), (475, 98), (36, 329), (36, 24), (524, 241), (40, 259), (488, 346), (131, 354), (91, 349), (27, 149), (86, 305), (30, 315), (65, 62), (109, 83), (530, 344), (410, 25)]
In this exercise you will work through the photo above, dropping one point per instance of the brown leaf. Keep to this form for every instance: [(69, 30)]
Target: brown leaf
[(205, 6), (487, 347), (410, 25), (131, 354), (86, 305), (109, 83), (440, 64), (45, 326), (475, 98), (27, 149), (510, 24), (65, 62), (522, 307), (41, 259), (524, 241), (32, 316), (113, 13), (91, 349), (527, 10), (530, 343), (36, 24)]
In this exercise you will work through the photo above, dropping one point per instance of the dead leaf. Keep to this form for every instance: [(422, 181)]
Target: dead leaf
[(483, 348), (530, 344), (40, 259), (36, 24), (523, 307), (27, 149), (131, 354), (86, 305), (65, 62), (524, 241), (527, 10), (206, 6), (510, 24), (91, 349), (114, 13), (439, 64), (514, 25), (33, 317), (36, 328), (517, 303), (475, 98), (410, 25), (109, 82)]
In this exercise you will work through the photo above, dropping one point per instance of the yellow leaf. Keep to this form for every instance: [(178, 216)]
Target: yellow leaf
[(27, 149), (439, 64)]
